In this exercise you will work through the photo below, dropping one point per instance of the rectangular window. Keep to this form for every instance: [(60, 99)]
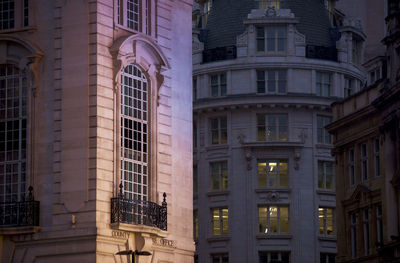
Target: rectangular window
[(25, 11), (323, 135), (206, 8), (134, 14), (7, 11), (271, 81), (348, 87), (327, 258), (272, 127), (273, 256), (366, 231), (195, 180), (271, 39), (273, 219), (219, 221), (195, 224), (219, 176), (325, 175), (377, 158), (323, 84), (353, 234), (352, 177), (364, 161), (273, 173), (220, 258), (218, 85), (264, 4), (326, 221), (379, 224), (219, 134)]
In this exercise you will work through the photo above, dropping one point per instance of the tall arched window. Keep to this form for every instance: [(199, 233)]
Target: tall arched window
[(13, 133), (134, 133)]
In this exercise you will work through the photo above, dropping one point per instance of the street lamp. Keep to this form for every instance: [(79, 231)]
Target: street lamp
[(133, 253)]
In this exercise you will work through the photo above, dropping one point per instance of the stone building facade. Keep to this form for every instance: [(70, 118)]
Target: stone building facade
[(265, 74), (95, 131), (366, 138)]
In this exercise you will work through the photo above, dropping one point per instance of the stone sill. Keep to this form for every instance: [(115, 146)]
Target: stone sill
[(326, 238), (326, 192), (259, 144), (20, 29), (218, 238), (276, 189), (274, 236), (218, 193), (217, 147), (21, 230), (140, 229), (324, 146)]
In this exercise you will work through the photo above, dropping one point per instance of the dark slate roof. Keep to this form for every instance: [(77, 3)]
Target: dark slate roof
[(225, 21)]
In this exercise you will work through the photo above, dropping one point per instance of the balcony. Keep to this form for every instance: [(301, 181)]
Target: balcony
[(219, 53), (320, 52), (138, 212), (20, 214)]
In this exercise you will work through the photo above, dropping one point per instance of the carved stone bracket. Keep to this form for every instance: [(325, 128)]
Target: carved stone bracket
[(297, 157), (241, 40), (272, 196)]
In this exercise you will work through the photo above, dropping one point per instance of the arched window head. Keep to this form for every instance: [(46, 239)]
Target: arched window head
[(13, 133), (134, 133)]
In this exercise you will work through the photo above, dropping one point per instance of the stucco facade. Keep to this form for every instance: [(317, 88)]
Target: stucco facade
[(256, 108), (84, 66)]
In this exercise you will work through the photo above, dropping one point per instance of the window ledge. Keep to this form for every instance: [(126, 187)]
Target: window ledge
[(327, 238), (218, 193), (217, 147), (267, 190), (274, 236), (19, 230), (140, 229), (20, 29), (326, 192), (324, 145), (218, 238), (259, 144)]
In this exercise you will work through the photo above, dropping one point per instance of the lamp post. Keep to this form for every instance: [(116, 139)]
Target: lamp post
[(133, 253)]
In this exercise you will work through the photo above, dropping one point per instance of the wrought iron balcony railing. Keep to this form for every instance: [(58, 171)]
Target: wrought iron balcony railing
[(320, 52), (17, 214), (138, 212), (219, 53)]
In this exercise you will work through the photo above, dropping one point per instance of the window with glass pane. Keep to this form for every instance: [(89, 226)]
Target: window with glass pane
[(195, 224), (353, 234), (271, 39), (379, 224), (364, 161), (264, 4), (348, 87), (325, 175), (272, 127), (218, 85), (219, 176), (273, 256), (206, 9), (7, 14), (134, 14), (13, 134), (327, 258), (377, 158), (194, 88), (272, 81), (220, 221), (326, 221), (273, 219), (366, 231), (352, 177), (273, 173), (134, 133), (220, 258), (218, 128), (323, 135), (323, 84)]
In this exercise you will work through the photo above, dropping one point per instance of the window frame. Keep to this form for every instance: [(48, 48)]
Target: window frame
[(223, 224), (366, 231), (146, 17), (278, 177), (220, 131), (279, 219), (352, 167), (221, 178), (20, 13), (220, 257), (268, 255), (221, 86), (379, 223), (325, 222), (377, 158), (323, 136), (262, 40), (348, 87), (364, 162), (263, 84), (353, 216), (277, 127), (328, 257), (321, 83), (324, 175), (265, 4)]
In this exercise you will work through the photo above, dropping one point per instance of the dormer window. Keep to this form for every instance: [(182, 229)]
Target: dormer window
[(135, 14), (264, 4), (271, 39)]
